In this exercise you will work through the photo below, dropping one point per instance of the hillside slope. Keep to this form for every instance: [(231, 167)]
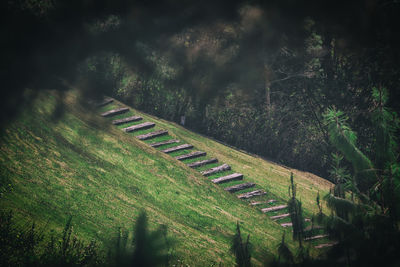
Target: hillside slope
[(81, 165)]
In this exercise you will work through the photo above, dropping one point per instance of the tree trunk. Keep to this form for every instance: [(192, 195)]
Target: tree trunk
[(267, 79)]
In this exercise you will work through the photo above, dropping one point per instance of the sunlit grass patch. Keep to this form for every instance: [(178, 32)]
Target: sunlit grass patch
[(83, 166)]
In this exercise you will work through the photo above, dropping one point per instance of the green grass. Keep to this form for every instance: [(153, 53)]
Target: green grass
[(83, 166)]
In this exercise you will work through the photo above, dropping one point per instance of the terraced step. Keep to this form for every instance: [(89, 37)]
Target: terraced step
[(289, 224), (281, 216), (177, 148), (142, 126), (228, 178), (325, 245), (104, 102), (114, 112), (191, 155), (238, 187), (262, 202), (274, 208), (172, 141), (315, 237), (223, 167), (202, 162), (316, 227), (126, 120), (251, 194), (152, 135)]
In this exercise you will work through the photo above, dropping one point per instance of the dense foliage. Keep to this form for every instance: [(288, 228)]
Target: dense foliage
[(254, 74), (29, 246), (281, 79), (364, 220)]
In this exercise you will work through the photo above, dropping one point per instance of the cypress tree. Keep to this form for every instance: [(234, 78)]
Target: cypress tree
[(284, 253), (149, 247), (296, 213), (241, 249)]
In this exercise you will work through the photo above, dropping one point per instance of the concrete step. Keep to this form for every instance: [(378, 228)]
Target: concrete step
[(315, 237), (289, 224), (238, 187), (172, 141), (274, 208), (221, 168), (281, 216), (202, 162), (177, 148), (152, 135), (251, 194), (191, 155), (126, 120), (114, 112), (262, 202), (103, 103), (316, 227), (325, 245), (142, 126), (228, 178)]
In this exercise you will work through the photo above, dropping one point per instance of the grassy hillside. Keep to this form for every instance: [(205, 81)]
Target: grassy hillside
[(80, 165)]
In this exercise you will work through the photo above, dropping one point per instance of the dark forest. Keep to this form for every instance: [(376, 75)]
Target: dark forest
[(313, 85)]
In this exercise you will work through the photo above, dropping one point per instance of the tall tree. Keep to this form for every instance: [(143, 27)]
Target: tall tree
[(284, 253), (344, 139), (241, 249), (365, 225), (296, 213), (386, 156), (150, 248)]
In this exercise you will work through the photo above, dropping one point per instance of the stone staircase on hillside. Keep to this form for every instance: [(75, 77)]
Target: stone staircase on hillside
[(270, 206)]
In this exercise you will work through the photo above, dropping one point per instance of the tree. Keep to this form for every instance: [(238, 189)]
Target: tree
[(284, 253), (365, 225), (296, 213), (149, 247), (387, 188), (344, 139), (341, 179), (241, 249)]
